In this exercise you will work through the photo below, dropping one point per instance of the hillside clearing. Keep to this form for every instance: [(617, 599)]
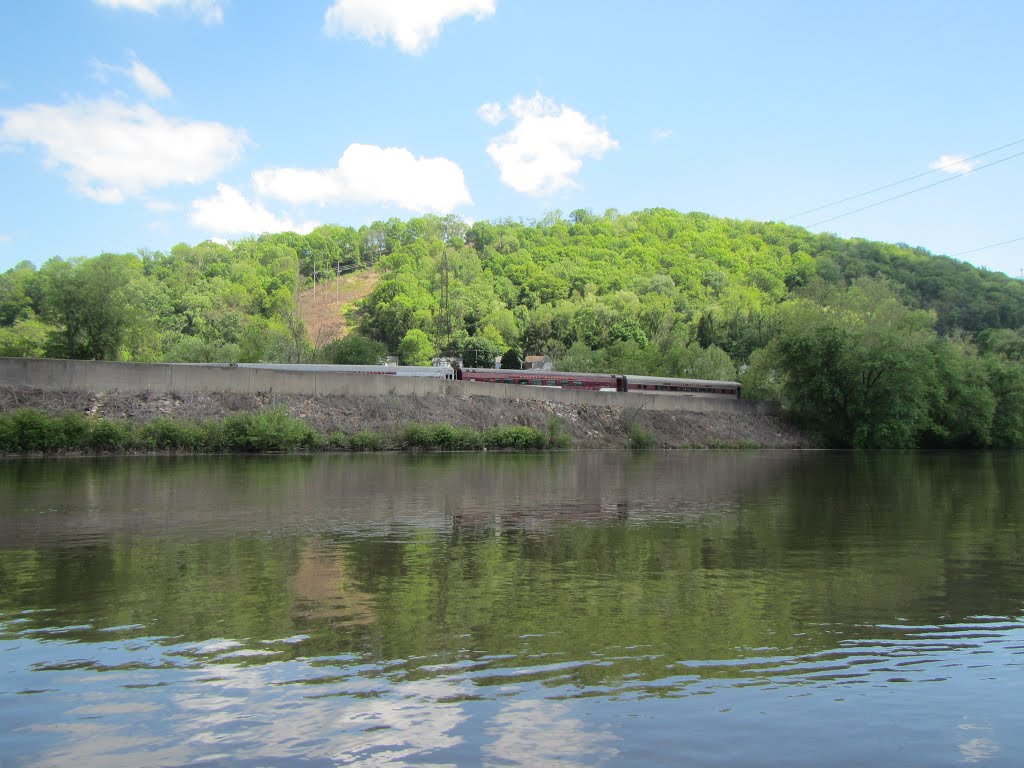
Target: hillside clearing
[(324, 313)]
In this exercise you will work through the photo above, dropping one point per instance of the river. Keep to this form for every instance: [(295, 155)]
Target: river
[(706, 608)]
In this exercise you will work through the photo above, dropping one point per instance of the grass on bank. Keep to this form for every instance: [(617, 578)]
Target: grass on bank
[(30, 431)]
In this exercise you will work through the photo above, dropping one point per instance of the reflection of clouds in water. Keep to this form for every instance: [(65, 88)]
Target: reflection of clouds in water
[(368, 731), (539, 732), (211, 646), (102, 744), (244, 713), (979, 748), (390, 730), (976, 750)]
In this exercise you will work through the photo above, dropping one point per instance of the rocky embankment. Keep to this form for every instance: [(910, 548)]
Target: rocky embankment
[(590, 426)]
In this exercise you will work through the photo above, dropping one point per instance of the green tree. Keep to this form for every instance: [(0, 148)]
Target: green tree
[(691, 361), (580, 357), (480, 352), (962, 405), (761, 378), (859, 369), (355, 349), (94, 304), (416, 348), (512, 359), (26, 338), (19, 293), (1006, 382)]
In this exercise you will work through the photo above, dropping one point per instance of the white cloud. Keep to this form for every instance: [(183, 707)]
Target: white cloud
[(661, 134), (209, 11), (230, 213), (145, 79), (492, 112), (370, 174), (952, 164), (299, 185), (112, 150), (4, 239), (411, 24), (546, 146), (149, 82)]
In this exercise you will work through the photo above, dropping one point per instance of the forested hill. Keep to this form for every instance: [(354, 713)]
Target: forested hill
[(725, 262), (656, 291)]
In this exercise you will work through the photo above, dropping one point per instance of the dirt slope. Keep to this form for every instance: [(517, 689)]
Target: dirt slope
[(323, 310)]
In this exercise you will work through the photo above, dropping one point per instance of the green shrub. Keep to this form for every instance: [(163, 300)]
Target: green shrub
[(414, 436), (29, 430), (110, 435), (366, 441), (310, 439), (514, 438), (557, 436), (167, 434), (272, 430), (639, 437), (8, 435), (213, 436), (34, 431), (235, 432), (269, 430), (74, 431), (466, 439), (444, 437)]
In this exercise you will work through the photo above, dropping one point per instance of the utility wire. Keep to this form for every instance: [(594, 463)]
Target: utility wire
[(986, 247), (919, 189), (902, 181)]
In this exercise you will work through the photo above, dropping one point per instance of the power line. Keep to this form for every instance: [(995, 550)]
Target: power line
[(919, 189), (986, 247), (903, 181)]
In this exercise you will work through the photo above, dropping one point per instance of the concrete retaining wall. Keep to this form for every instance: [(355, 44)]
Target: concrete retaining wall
[(92, 376)]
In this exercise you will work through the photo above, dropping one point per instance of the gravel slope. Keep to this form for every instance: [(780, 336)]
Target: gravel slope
[(590, 426)]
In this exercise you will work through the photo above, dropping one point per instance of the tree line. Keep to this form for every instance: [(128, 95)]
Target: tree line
[(870, 344)]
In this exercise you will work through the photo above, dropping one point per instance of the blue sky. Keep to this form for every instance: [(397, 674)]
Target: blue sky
[(128, 124)]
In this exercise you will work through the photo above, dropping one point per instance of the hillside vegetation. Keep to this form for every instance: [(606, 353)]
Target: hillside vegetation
[(871, 344)]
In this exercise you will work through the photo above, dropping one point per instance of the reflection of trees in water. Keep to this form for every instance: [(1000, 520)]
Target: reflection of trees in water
[(691, 554), (930, 532), (202, 497)]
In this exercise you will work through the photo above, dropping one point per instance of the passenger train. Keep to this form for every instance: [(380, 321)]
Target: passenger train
[(600, 382)]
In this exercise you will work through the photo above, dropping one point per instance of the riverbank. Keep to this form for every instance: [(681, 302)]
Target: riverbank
[(332, 420)]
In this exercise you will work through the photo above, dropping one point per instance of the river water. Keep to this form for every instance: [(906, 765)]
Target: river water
[(715, 608)]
